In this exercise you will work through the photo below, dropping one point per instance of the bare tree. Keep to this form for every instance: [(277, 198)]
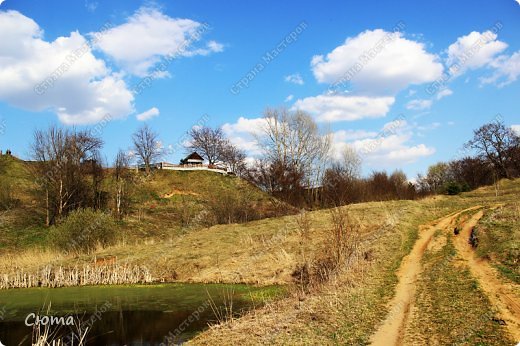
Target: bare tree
[(147, 146), (496, 142), (122, 177), (62, 156), (207, 142), (340, 181), (292, 141), (234, 158)]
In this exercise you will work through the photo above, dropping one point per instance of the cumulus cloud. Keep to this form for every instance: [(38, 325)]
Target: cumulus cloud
[(148, 35), (147, 115), (34, 78), (294, 78), (507, 70), (387, 148), (376, 61), (289, 98), (419, 104), (245, 125), (473, 51), (344, 107), (242, 133), (516, 128)]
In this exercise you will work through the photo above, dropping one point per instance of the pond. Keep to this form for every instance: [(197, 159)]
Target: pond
[(126, 315)]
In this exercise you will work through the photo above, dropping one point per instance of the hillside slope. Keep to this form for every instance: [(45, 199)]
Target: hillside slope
[(420, 284), (165, 204)]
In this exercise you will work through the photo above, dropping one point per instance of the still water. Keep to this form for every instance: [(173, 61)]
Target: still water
[(127, 315)]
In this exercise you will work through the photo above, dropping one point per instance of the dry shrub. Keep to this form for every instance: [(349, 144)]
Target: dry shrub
[(232, 207), (341, 244), (84, 230), (7, 200)]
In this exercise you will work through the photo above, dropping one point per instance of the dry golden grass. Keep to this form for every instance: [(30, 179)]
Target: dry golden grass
[(345, 311)]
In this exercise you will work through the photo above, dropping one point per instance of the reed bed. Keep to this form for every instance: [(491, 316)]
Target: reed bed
[(87, 274)]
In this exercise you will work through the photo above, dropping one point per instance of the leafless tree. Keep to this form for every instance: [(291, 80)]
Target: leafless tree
[(62, 156), (208, 142), (293, 141), (122, 177), (341, 180), (496, 142), (234, 158), (147, 146)]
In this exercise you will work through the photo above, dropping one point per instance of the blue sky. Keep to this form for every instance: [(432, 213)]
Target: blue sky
[(397, 107)]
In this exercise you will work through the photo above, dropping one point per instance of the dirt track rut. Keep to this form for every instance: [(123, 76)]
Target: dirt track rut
[(500, 294), (391, 331)]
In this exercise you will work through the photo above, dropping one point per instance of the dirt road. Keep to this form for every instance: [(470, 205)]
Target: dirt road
[(501, 295), (391, 332)]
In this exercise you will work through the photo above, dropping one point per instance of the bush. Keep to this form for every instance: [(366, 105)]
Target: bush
[(84, 230), (453, 188), (7, 200), (232, 207)]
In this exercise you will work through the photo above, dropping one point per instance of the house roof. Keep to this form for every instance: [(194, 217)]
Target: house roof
[(194, 156)]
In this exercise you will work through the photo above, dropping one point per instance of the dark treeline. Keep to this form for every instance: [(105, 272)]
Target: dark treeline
[(496, 149)]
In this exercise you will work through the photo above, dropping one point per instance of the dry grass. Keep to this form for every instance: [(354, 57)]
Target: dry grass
[(450, 308), (346, 310)]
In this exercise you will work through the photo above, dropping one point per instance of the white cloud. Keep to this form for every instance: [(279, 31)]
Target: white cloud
[(242, 134), (148, 35), (443, 93), (83, 93), (379, 149), (419, 105), (473, 51), (147, 115), (289, 98), (384, 149), (409, 154), (245, 125), (1, 1), (351, 135), (507, 70), (294, 78), (399, 63), (518, 2), (345, 108), (516, 128)]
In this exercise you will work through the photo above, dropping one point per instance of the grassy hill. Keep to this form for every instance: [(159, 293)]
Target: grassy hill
[(163, 205)]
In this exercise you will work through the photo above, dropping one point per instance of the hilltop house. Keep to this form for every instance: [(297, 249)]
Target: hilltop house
[(192, 162), (193, 159)]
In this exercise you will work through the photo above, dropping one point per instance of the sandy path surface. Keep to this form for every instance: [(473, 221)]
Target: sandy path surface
[(502, 295), (391, 332)]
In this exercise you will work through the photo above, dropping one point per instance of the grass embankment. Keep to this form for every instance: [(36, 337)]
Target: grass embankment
[(499, 239), (349, 310)]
